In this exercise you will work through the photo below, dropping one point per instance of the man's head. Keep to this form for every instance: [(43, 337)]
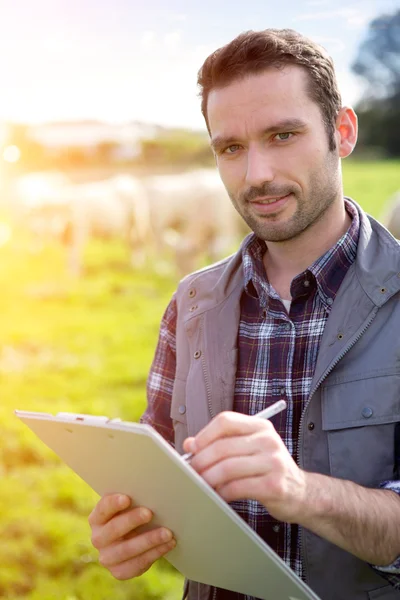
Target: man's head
[(278, 131), (255, 51)]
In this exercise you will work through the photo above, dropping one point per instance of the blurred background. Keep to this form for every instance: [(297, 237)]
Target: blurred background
[(109, 195)]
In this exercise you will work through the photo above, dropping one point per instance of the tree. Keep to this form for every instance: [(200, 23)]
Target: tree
[(378, 63), (378, 60)]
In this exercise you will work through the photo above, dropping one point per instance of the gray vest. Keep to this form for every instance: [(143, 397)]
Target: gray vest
[(354, 403)]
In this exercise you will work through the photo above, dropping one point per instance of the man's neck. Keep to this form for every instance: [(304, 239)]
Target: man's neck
[(284, 260)]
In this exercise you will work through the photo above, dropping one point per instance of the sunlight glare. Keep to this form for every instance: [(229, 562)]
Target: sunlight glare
[(5, 233), (11, 154)]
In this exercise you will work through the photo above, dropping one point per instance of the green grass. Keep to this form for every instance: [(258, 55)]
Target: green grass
[(84, 346), (80, 346), (371, 183)]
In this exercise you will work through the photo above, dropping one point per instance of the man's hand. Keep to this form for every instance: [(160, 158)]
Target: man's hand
[(243, 457), (124, 551)]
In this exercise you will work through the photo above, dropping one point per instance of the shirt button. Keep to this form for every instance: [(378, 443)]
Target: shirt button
[(276, 528), (311, 426), (330, 301), (285, 326), (192, 293), (367, 412), (306, 283), (182, 409), (282, 391), (197, 354)]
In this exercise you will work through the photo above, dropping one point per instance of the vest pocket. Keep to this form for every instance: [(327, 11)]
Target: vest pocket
[(178, 402), (178, 413), (359, 417)]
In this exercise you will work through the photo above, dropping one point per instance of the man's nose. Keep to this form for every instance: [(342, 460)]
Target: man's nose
[(259, 167)]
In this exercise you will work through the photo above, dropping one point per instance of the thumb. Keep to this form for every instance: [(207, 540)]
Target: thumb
[(189, 444)]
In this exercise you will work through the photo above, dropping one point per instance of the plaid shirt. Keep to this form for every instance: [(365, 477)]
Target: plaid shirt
[(277, 357)]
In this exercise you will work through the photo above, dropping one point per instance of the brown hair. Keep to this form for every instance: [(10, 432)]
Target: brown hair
[(252, 52)]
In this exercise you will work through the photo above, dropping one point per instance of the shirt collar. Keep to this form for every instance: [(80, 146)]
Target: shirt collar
[(327, 272)]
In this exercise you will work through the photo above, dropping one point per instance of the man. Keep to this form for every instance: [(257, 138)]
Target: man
[(307, 310)]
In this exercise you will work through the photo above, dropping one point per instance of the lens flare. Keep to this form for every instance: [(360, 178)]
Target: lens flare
[(11, 154)]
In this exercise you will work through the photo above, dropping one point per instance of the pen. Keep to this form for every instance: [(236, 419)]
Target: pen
[(267, 413)]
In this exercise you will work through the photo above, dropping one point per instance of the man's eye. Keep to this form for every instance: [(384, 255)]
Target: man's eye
[(284, 136), (231, 149)]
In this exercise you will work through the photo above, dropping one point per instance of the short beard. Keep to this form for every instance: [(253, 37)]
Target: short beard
[(292, 229), (309, 211)]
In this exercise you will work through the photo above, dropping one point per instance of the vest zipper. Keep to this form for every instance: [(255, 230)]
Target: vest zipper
[(301, 429), (214, 594), (203, 364)]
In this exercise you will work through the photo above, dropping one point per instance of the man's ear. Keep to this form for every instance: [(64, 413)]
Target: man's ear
[(346, 131)]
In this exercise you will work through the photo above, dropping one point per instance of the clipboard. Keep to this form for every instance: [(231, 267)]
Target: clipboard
[(214, 545)]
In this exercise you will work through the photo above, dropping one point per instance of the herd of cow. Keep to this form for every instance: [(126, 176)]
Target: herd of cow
[(186, 216)]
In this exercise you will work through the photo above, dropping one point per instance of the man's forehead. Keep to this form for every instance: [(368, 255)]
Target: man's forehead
[(270, 80), (263, 101), (268, 90)]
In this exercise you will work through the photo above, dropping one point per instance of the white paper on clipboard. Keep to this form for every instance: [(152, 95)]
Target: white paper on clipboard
[(214, 545)]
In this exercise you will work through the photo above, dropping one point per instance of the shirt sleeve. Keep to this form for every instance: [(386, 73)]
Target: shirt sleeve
[(391, 572), (161, 376)]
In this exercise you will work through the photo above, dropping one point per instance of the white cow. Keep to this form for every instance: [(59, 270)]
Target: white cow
[(36, 204), (73, 213), (391, 216), (192, 213), (115, 208)]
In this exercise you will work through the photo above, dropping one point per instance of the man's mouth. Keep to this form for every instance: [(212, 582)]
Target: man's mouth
[(267, 200), (268, 205)]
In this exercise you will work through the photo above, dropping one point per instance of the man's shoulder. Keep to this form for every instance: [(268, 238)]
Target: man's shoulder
[(213, 283), (209, 273)]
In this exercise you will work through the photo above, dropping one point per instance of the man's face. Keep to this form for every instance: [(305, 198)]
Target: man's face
[(272, 152)]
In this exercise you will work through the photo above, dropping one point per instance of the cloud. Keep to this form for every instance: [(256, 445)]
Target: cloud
[(147, 39), (172, 39), (350, 87), (178, 18), (333, 45), (353, 17), (56, 44)]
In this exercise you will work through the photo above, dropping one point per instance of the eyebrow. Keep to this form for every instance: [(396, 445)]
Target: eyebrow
[(287, 124)]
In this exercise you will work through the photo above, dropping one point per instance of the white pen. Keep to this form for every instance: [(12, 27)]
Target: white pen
[(267, 413)]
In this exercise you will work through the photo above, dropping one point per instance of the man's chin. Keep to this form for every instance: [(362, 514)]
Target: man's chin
[(274, 234)]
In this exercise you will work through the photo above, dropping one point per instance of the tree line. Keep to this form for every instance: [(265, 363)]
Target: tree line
[(378, 64)]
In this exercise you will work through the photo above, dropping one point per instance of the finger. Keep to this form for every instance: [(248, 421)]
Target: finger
[(228, 424), (140, 564), (236, 468), (253, 488), (268, 489), (107, 507), (223, 448), (134, 546), (187, 444), (119, 526)]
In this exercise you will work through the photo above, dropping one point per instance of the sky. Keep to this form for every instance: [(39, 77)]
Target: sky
[(137, 60)]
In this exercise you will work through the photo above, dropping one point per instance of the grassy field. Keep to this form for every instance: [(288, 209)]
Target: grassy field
[(84, 346)]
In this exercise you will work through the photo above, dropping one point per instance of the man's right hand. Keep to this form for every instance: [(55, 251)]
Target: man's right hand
[(125, 552)]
